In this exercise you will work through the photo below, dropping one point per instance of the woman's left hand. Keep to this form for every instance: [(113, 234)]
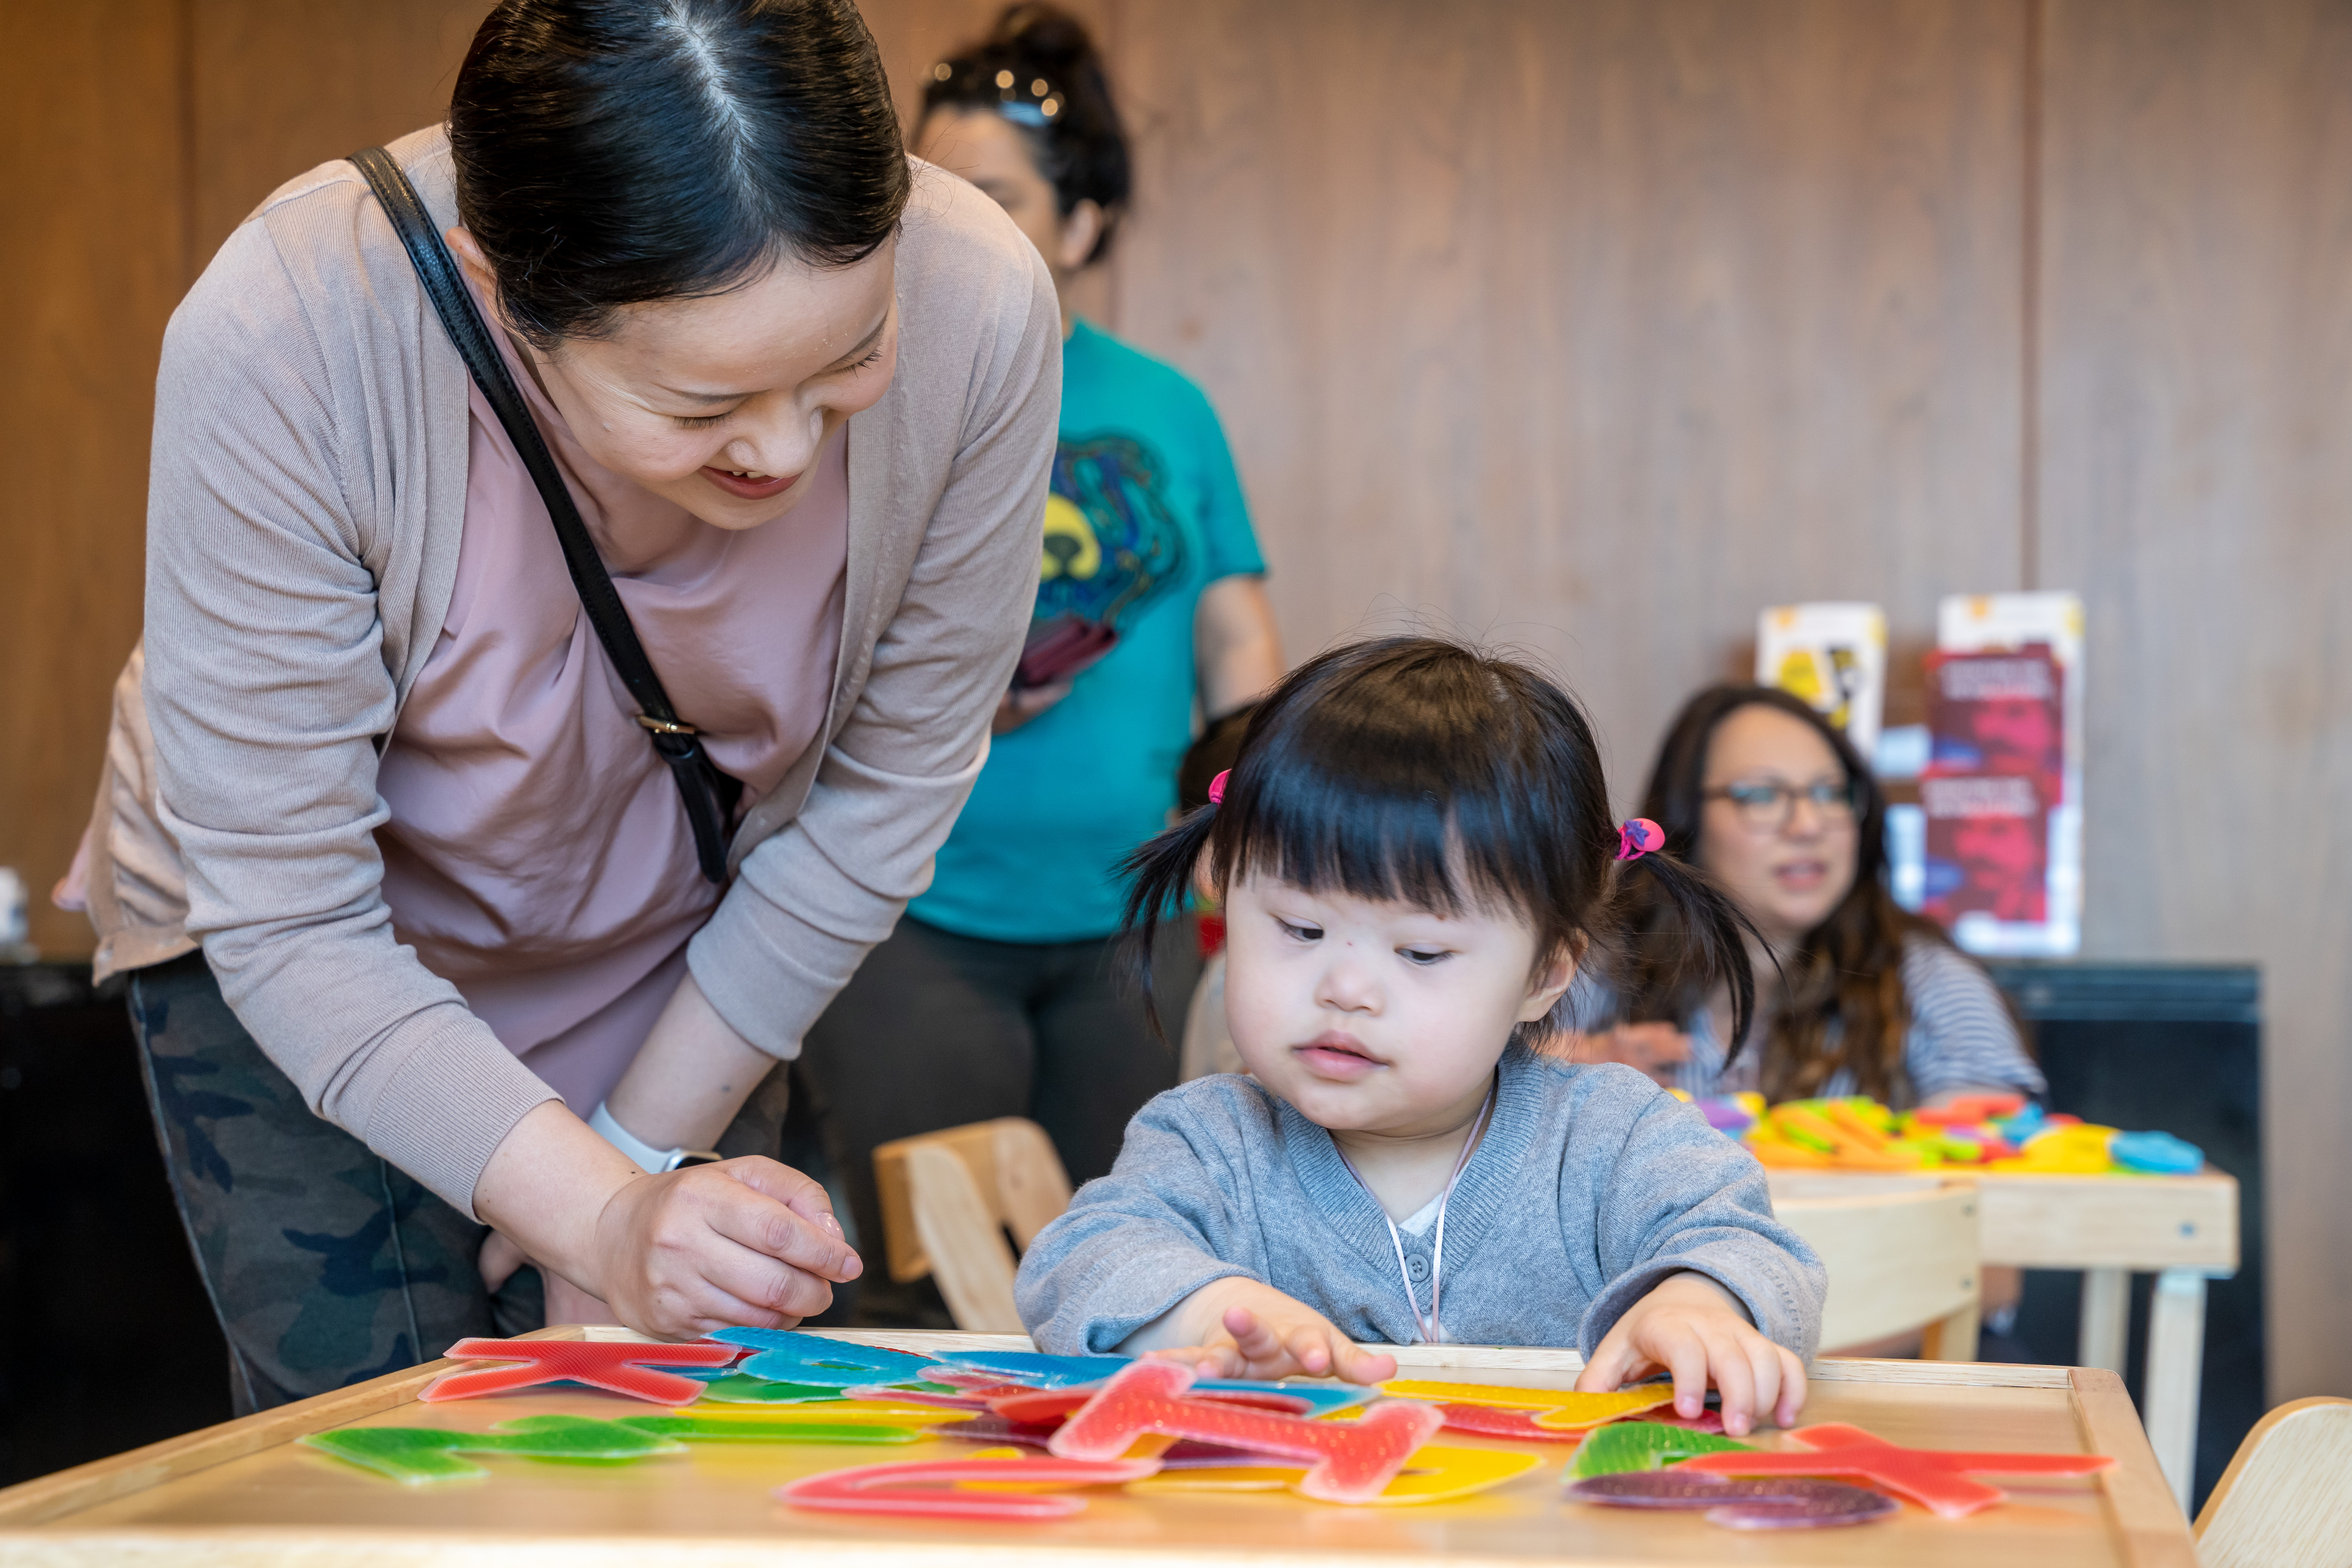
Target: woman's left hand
[(1694, 1328)]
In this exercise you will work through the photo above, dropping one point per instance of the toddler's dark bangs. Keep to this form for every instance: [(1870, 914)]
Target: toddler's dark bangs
[(1335, 807)]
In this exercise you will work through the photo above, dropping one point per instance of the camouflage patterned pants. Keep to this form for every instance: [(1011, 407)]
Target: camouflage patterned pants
[(327, 1265)]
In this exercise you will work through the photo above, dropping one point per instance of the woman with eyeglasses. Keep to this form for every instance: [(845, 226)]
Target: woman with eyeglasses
[(1858, 996)]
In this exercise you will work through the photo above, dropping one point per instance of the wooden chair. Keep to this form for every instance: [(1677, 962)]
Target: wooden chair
[(949, 1197), (1898, 1261), (2286, 1501)]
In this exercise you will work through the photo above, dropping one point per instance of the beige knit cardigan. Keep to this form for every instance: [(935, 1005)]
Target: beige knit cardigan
[(306, 505)]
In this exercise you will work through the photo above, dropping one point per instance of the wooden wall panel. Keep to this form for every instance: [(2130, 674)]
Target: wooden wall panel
[(91, 262), (1594, 327), (2196, 466), (283, 85)]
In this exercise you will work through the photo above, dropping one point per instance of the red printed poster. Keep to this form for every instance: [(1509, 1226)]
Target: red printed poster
[(2000, 713), (1987, 847)]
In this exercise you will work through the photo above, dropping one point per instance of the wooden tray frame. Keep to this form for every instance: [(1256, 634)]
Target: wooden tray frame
[(2146, 1529)]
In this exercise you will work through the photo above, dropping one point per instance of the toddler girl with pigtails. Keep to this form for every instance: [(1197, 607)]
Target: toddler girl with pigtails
[(1414, 852)]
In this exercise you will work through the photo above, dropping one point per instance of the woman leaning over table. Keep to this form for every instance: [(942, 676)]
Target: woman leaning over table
[(803, 389)]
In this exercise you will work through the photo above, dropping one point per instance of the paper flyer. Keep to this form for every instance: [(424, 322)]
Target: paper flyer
[(2002, 793), (1834, 656)]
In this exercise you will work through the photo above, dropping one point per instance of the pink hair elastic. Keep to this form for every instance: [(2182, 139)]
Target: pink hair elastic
[(1636, 839), (1217, 787)]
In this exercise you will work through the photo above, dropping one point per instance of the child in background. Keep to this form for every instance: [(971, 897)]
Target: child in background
[(1414, 852)]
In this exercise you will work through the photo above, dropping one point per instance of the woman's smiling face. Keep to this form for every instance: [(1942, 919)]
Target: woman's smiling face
[(1786, 878), (722, 403)]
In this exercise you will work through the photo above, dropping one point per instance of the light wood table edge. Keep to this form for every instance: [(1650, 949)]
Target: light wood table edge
[(2103, 1412), (2135, 1488), (242, 1549), (102, 1481)]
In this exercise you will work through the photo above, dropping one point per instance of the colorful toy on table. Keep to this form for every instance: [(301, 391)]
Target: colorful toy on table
[(1032, 1370), (1986, 1131), (617, 1367), (944, 1488), (742, 1388), (1433, 1474), (1558, 1410), (839, 1413), (698, 1428), (1732, 1113), (1782, 1503), (419, 1456), (1936, 1479), (1625, 1448), (786, 1356), (1352, 1461)]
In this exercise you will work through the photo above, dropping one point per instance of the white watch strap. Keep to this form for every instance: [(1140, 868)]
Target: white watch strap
[(651, 1160)]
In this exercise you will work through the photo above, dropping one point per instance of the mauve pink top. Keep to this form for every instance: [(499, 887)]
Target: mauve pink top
[(536, 857)]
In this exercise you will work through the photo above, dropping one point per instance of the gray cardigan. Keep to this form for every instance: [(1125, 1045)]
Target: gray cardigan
[(1591, 1185), (304, 517)]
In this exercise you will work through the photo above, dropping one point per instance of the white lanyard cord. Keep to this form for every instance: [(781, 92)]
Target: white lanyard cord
[(1429, 1330)]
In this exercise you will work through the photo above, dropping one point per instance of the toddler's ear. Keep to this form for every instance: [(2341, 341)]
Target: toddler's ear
[(1549, 984)]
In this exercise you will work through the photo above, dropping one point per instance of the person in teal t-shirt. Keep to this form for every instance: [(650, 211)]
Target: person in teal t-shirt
[(997, 995)]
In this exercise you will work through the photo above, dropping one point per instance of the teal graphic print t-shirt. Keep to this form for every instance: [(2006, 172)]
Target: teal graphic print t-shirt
[(1145, 513)]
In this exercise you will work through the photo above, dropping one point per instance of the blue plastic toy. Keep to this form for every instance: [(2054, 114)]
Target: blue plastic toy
[(2155, 1153), (1034, 1371), (788, 1357)]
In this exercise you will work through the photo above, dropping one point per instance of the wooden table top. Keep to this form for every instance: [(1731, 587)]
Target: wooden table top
[(2038, 1221), (246, 1492)]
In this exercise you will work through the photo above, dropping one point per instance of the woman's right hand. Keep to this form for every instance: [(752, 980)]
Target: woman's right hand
[(744, 1243), (748, 1242)]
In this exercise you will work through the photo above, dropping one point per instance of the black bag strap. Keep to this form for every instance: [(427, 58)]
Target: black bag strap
[(710, 795)]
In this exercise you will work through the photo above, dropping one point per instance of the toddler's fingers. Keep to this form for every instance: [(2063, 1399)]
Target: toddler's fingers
[(1792, 1388), (1253, 1338), (1310, 1348), (1764, 1368), (1356, 1364), (1735, 1379), (1687, 1361), (1612, 1362)]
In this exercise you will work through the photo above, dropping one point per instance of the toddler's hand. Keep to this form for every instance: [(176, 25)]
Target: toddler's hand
[(1694, 1328), (1240, 1329)]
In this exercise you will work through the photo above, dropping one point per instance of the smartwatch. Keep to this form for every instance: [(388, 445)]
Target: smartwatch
[(652, 1161)]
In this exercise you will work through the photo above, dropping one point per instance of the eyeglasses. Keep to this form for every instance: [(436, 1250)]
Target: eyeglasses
[(1767, 807)]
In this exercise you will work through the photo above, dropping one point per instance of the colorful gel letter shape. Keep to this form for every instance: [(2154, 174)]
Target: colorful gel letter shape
[(1631, 1445), (929, 1489), (1560, 1410), (414, 1456), (1935, 1479), (1352, 1461), (1433, 1474), (789, 1357), (616, 1367), (1777, 1502), (1033, 1371)]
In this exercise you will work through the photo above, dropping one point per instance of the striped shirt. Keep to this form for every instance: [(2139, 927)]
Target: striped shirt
[(1961, 1036)]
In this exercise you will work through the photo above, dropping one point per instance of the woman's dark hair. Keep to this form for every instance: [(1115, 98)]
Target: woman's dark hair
[(1417, 769), (614, 152), (1038, 68), (1842, 1002)]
